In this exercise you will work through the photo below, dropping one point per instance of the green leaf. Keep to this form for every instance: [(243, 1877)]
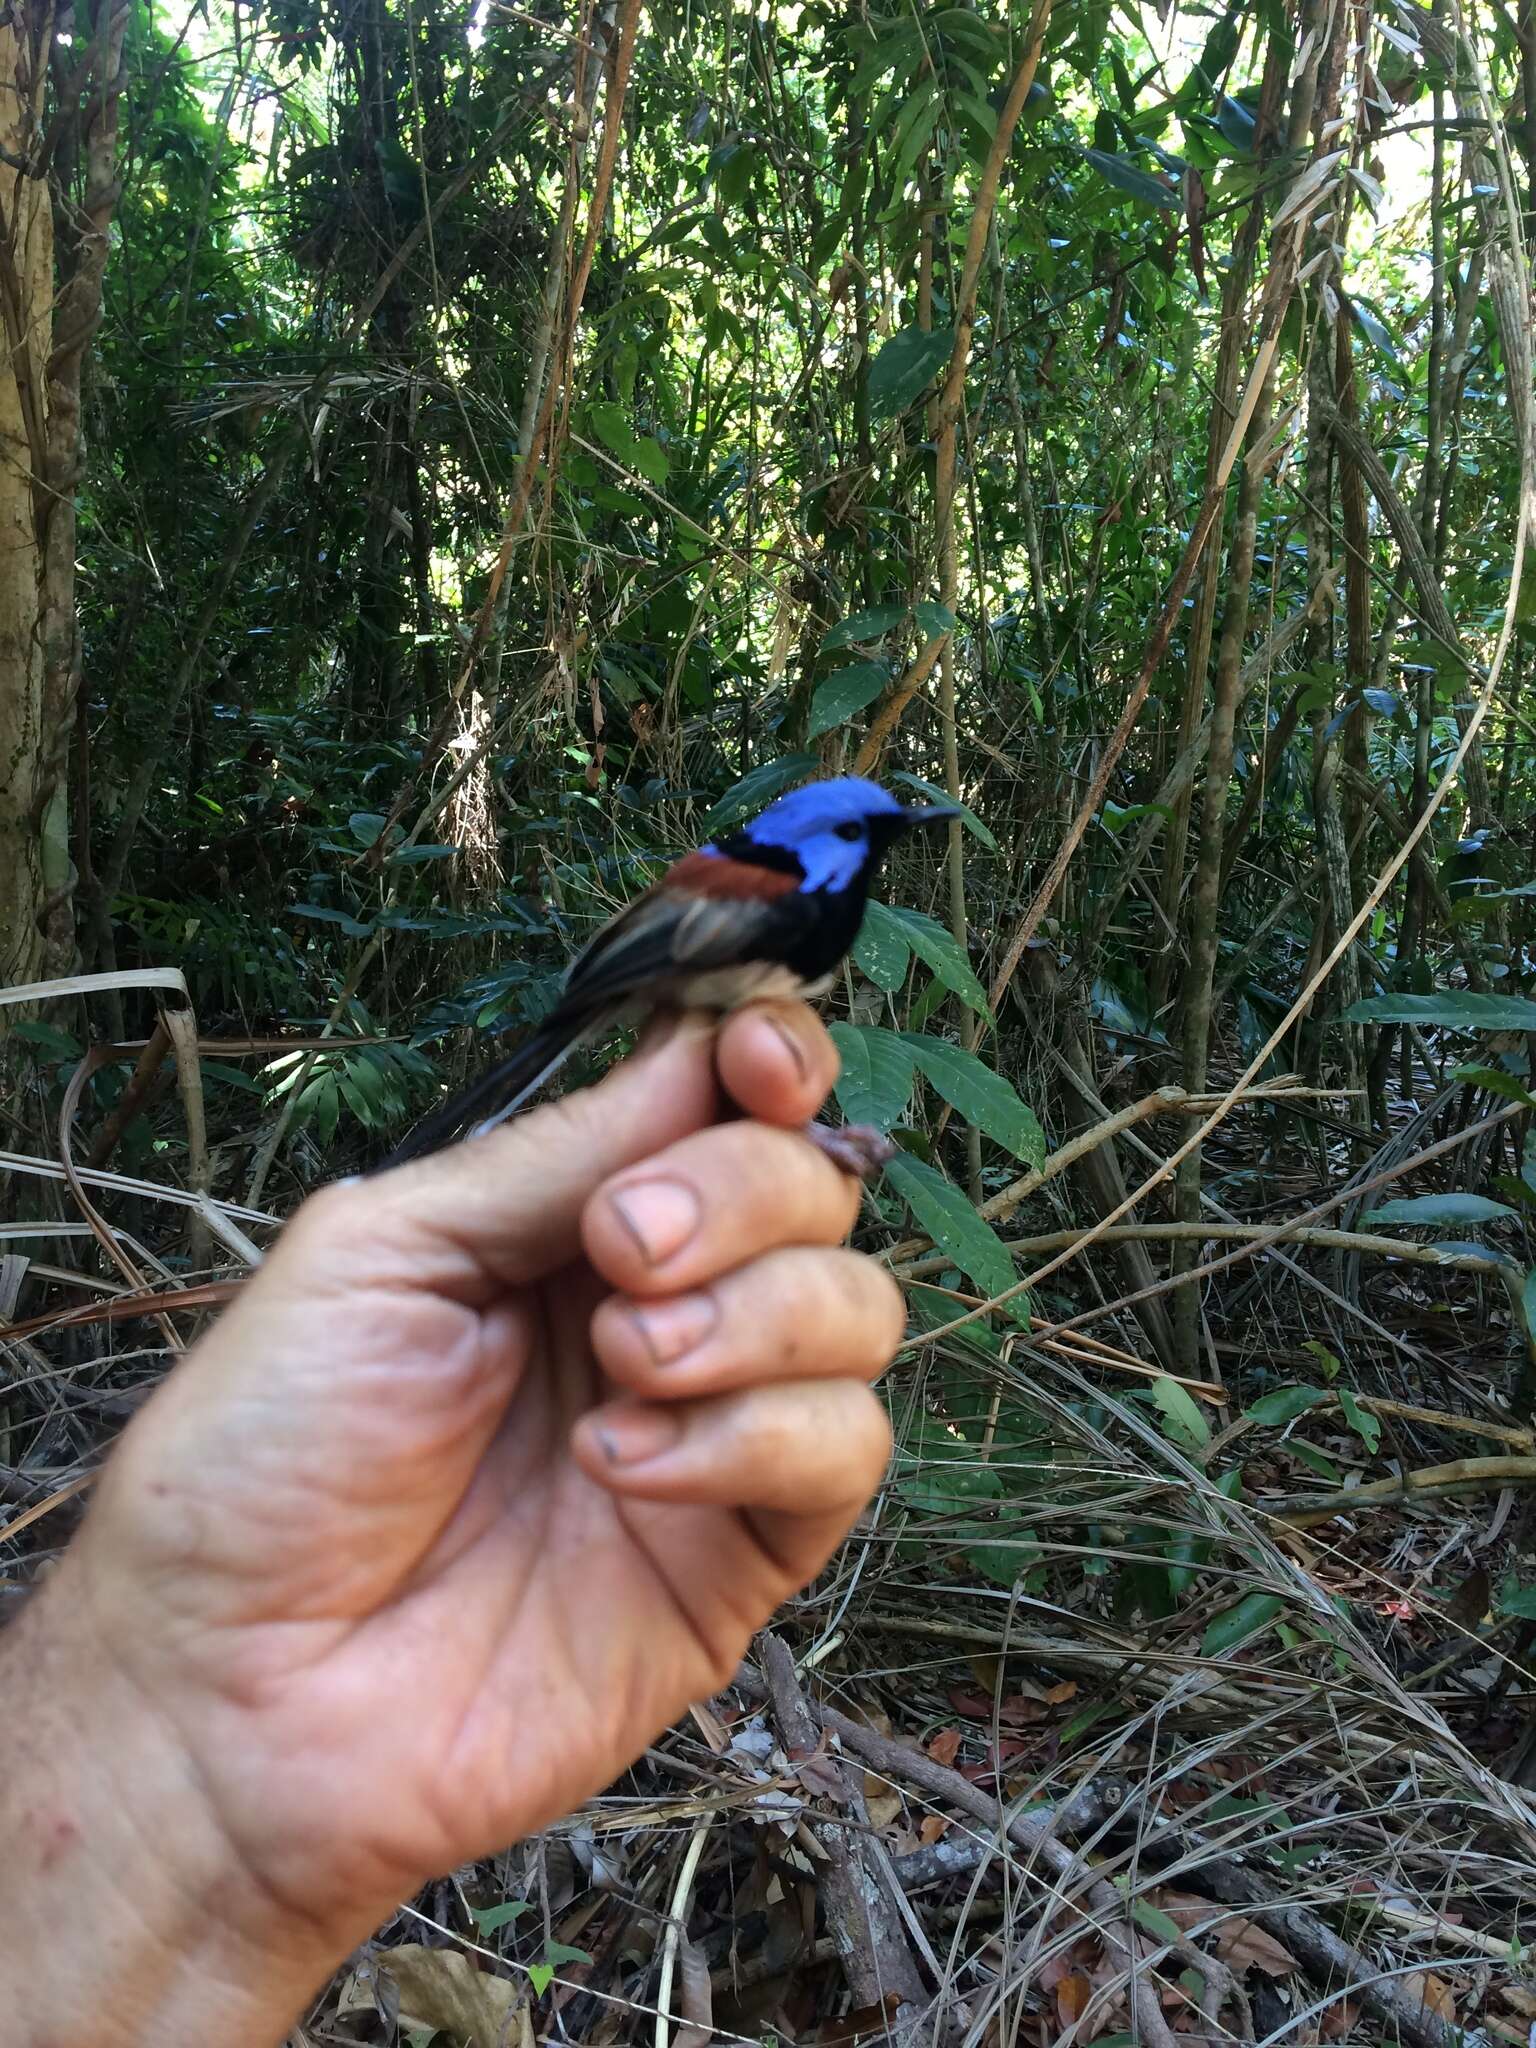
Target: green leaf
[(1135, 184), (867, 625), (541, 1976), (562, 1952), (769, 779), (413, 856), (649, 459), (1456, 1009), (933, 619), (842, 695), (882, 949), (324, 915), (1497, 1082), (491, 1918), (1251, 1614), (968, 817), (938, 951), (1515, 1600), (1361, 1421), (953, 1224), (875, 1084), (1283, 1405), (1182, 1419), (1314, 1461), (366, 826), (1438, 1210), (611, 424), (982, 1097), (906, 365)]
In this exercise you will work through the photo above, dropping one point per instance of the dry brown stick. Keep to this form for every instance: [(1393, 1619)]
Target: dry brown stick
[(952, 397), (861, 1915), (1171, 1100), (537, 451), (1235, 1233), (1462, 1475), (1033, 1833), (129, 1103)]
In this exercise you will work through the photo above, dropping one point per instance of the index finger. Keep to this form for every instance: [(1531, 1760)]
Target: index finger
[(776, 1061)]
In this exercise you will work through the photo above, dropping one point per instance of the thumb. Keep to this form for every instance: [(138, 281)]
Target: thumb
[(499, 1211)]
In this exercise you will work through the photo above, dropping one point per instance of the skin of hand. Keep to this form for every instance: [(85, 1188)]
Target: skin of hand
[(495, 1465)]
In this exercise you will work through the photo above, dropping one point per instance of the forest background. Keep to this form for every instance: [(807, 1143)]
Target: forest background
[(457, 455)]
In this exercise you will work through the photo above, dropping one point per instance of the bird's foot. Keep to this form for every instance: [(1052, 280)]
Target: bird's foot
[(858, 1149)]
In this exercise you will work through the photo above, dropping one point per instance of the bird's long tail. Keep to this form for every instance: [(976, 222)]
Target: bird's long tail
[(500, 1092)]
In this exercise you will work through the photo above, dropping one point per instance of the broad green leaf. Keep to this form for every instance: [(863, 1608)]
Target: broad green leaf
[(906, 365), (1251, 1614), (768, 780), (1283, 1405), (1497, 1082), (1361, 1421), (413, 856), (649, 458), (934, 619), (1315, 1461), (489, 1918), (541, 1976), (611, 424), (323, 915), (366, 826), (562, 1952), (882, 949), (1438, 1210), (868, 625), (1126, 178), (938, 950), (1182, 1419), (875, 1084), (968, 817), (1515, 1600), (954, 1226), (1456, 1009), (842, 695), (982, 1097)]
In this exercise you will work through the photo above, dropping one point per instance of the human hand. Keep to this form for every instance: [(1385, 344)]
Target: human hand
[(495, 1465)]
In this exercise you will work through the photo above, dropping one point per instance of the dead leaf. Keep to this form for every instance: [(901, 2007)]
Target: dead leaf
[(945, 1746), (1432, 1994), (439, 1987), (1072, 1995), (934, 1827), (1338, 2019), (1244, 1945), (881, 1803), (1058, 1695), (1523, 2001), (707, 1721), (696, 2000)]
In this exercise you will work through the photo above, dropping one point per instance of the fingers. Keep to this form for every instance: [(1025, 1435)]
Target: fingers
[(709, 1203), (501, 1210), (812, 1451), (800, 1313), (776, 1061)]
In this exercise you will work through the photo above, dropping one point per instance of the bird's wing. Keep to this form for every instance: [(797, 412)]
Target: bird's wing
[(704, 913)]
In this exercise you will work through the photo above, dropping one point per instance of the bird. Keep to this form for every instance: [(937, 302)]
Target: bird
[(766, 911)]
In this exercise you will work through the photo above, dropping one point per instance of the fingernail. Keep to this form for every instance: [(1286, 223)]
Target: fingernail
[(792, 1046), (660, 1215), (628, 1436), (669, 1329)]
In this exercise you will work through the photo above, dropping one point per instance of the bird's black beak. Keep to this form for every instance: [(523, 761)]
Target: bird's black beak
[(927, 814)]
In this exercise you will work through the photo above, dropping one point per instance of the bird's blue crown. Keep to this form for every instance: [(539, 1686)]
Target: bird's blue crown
[(833, 829)]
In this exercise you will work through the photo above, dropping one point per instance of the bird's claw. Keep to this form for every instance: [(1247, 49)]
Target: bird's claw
[(858, 1149)]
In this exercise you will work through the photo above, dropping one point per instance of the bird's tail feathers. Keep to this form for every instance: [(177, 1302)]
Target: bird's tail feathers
[(500, 1092)]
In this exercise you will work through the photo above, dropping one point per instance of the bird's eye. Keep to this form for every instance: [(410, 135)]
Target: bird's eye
[(849, 831)]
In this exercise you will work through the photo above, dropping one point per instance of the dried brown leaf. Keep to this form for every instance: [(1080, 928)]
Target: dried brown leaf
[(1432, 1994), (439, 1987), (944, 1747), (1244, 1945), (696, 2000)]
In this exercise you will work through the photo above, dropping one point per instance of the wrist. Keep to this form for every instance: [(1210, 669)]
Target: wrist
[(130, 1917)]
